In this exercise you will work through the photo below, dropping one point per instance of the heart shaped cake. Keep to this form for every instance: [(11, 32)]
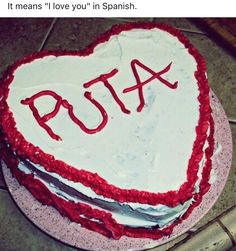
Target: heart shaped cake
[(117, 137)]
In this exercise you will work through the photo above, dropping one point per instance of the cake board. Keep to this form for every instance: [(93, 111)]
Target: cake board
[(61, 228)]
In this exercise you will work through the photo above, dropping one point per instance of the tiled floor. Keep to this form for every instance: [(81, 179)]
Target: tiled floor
[(19, 37)]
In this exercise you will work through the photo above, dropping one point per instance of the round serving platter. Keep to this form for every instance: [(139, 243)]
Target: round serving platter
[(61, 228)]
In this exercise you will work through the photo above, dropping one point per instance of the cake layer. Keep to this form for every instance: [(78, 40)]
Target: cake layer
[(137, 215), (122, 138), (132, 214)]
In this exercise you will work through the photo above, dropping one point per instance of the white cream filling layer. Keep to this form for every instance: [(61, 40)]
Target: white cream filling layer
[(141, 150), (160, 214), (164, 215)]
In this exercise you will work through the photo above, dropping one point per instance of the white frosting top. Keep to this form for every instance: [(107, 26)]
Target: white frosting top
[(147, 150)]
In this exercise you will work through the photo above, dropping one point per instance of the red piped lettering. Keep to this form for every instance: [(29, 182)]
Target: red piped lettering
[(140, 84), (63, 102), (104, 79), (88, 95)]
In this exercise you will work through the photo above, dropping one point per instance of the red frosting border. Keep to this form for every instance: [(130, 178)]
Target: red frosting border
[(83, 213), (25, 149)]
